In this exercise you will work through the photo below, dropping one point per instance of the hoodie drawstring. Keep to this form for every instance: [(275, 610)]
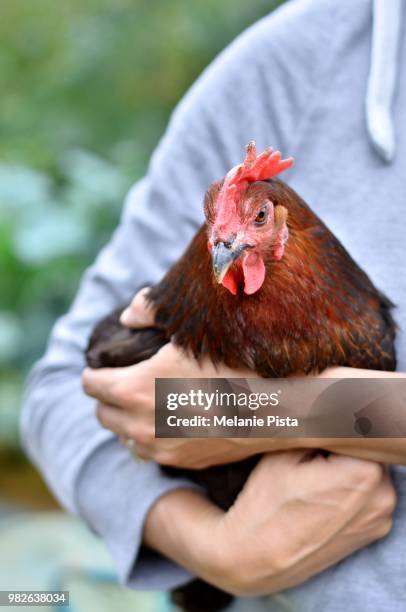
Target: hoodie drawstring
[(387, 19)]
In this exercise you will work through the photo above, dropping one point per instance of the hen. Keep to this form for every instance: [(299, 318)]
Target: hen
[(263, 284)]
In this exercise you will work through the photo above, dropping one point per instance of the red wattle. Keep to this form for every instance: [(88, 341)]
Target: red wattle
[(254, 272), (230, 283)]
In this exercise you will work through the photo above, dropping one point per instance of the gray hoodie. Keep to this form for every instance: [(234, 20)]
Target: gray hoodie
[(297, 80)]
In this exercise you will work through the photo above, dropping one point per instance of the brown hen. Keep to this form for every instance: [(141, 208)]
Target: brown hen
[(263, 284)]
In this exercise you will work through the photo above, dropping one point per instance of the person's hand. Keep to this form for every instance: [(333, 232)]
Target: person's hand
[(297, 515), (318, 512), (126, 402)]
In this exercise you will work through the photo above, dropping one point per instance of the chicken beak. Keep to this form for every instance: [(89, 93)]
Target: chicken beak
[(223, 255)]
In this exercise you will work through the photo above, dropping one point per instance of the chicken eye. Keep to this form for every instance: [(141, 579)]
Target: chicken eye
[(262, 216)]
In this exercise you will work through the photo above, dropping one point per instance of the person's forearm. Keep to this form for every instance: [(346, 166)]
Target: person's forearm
[(383, 450), (174, 528), (342, 372)]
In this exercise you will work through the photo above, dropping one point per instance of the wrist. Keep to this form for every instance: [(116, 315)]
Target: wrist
[(180, 526)]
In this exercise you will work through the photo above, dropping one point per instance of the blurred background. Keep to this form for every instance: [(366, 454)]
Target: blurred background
[(86, 90)]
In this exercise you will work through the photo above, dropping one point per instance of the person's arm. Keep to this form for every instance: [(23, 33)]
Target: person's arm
[(384, 450), (83, 464), (257, 547)]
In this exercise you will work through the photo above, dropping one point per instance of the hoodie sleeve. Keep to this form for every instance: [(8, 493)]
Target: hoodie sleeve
[(259, 88)]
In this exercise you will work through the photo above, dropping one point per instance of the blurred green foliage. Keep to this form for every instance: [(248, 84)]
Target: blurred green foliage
[(86, 90)]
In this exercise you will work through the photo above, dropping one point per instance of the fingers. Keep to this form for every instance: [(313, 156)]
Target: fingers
[(115, 420), (100, 383), (366, 474), (375, 519), (139, 313), (126, 426), (130, 389), (279, 462), (389, 495), (287, 457)]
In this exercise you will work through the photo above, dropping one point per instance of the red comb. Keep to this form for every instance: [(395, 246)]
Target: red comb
[(253, 168)]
